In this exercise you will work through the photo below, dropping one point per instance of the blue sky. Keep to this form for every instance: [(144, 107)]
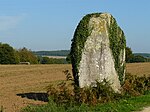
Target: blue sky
[(50, 24)]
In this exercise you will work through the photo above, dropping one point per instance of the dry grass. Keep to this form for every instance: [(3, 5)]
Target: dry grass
[(16, 79), (138, 69)]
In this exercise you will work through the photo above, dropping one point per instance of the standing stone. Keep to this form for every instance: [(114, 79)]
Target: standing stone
[(98, 51)]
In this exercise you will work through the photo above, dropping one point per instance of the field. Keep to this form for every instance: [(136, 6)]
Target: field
[(19, 79), (138, 69), (31, 80)]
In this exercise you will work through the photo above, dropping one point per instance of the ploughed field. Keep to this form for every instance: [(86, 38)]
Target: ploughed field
[(31, 80)]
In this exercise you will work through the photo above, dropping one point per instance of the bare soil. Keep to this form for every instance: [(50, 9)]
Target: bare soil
[(146, 109)]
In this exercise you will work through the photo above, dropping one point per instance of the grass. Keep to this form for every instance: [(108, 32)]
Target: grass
[(16, 79), (15, 70), (123, 105)]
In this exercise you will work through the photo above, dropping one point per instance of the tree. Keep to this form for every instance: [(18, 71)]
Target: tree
[(26, 55), (68, 59), (45, 60), (129, 55), (138, 58), (8, 54), (131, 58)]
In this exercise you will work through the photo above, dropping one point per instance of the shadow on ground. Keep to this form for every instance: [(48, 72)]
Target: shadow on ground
[(35, 96)]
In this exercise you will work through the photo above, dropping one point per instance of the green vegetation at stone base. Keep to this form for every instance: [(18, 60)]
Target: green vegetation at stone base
[(65, 98), (123, 105)]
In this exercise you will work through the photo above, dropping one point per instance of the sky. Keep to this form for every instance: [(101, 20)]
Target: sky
[(50, 24)]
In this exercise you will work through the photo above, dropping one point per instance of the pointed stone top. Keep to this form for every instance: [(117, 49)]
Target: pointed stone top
[(98, 51)]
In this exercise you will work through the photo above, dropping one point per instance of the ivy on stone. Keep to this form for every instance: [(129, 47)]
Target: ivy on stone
[(117, 44), (82, 32), (78, 41)]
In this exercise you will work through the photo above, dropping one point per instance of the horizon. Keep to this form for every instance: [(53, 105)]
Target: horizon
[(69, 50), (49, 25)]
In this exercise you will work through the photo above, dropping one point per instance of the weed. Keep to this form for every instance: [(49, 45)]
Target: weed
[(135, 86), (61, 94), (123, 105), (68, 75), (66, 93), (1, 109), (68, 97)]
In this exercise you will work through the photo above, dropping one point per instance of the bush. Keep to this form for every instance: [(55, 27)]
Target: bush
[(135, 86), (67, 97), (101, 93), (66, 93), (47, 60), (138, 58), (26, 55)]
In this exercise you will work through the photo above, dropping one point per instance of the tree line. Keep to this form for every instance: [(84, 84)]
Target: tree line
[(9, 55), (135, 58), (52, 53), (130, 57)]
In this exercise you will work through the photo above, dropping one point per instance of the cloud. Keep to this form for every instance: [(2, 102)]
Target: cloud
[(10, 22)]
